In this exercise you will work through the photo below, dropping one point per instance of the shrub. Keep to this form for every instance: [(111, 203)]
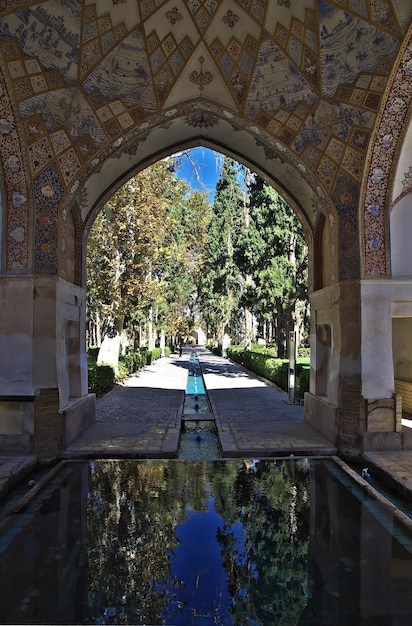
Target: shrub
[(93, 352), (236, 353), (152, 355), (269, 367), (101, 379), (143, 356), (270, 349), (302, 381), (216, 350)]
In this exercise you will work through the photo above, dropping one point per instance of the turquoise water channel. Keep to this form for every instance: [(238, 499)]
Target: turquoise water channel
[(245, 542), (198, 438)]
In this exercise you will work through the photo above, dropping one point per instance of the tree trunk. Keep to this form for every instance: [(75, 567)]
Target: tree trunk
[(248, 328), (162, 341), (151, 331), (281, 334), (110, 347)]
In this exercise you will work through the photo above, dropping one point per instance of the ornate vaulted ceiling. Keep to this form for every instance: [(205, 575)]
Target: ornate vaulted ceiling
[(93, 88)]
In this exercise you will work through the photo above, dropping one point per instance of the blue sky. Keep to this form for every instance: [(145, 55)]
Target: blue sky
[(200, 167)]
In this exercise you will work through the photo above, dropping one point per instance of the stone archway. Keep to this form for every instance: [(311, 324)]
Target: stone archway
[(91, 94)]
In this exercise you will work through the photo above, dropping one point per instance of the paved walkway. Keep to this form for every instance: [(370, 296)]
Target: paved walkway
[(142, 419)]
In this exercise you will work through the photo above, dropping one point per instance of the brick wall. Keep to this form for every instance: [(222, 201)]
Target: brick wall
[(47, 424), (404, 389)]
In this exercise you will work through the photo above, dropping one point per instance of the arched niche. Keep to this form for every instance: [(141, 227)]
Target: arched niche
[(251, 147)]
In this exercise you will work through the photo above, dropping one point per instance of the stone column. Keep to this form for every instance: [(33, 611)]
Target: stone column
[(333, 404), (44, 403)]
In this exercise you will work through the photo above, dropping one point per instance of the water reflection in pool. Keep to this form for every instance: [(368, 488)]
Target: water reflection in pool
[(236, 543)]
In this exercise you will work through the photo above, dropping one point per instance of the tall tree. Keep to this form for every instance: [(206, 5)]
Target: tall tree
[(221, 282), (144, 252), (125, 252), (276, 252)]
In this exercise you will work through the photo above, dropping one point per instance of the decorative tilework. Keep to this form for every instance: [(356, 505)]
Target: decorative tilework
[(85, 149), (60, 141), (48, 191), (353, 163), (230, 18), (69, 165), (176, 62), (346, 200), (375, 236), (360, 138), (22, 88), (335, 149), (113, 79), (326, 172), (40, 154), (32, 66), (38, 83), (113, 128), (174, 15), (16, 69)]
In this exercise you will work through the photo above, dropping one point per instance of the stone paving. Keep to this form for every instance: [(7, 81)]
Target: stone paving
[(254, 418), (142, 419), (13, 469)]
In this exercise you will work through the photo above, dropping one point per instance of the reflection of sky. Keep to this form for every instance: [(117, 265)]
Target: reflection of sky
[(202, 593), (200, 167)]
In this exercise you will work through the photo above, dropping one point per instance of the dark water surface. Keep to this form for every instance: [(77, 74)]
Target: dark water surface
[(231, 543)]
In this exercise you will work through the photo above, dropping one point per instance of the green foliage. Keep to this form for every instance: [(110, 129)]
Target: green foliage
[(236, 353), (129, 363), (153, 355), (101, 379), (93, 352), (220, 287), (302, 381), (145, 252), (134, 361), (271, 368), (215, 349)]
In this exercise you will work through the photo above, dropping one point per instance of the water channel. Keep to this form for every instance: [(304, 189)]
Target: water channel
[(198, 438), (243, 542), (204, 541)]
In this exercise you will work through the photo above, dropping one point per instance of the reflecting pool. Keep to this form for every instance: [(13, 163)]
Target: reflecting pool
[(233, 543)]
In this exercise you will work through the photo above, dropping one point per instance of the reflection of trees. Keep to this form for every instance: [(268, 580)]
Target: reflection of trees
[(133, 510), (265, 555)]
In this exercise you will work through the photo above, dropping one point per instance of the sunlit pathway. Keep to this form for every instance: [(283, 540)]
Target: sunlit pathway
[(142, 418), (256, 418)]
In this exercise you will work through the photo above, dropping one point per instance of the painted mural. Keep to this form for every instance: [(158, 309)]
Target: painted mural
[(81, 78)]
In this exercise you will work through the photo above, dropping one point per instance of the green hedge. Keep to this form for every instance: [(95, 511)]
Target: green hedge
[(215, 349), (93, 351), (134, 361), (271, 368), (101, 379), (302, 382)]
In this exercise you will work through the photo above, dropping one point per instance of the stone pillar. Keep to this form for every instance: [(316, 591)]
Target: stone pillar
[(333, 404), (44, 403)]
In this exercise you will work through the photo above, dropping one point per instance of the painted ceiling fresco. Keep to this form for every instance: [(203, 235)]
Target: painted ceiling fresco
[(80, 77)]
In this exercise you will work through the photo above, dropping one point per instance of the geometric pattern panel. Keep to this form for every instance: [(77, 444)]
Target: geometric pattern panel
[(83, 75)]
